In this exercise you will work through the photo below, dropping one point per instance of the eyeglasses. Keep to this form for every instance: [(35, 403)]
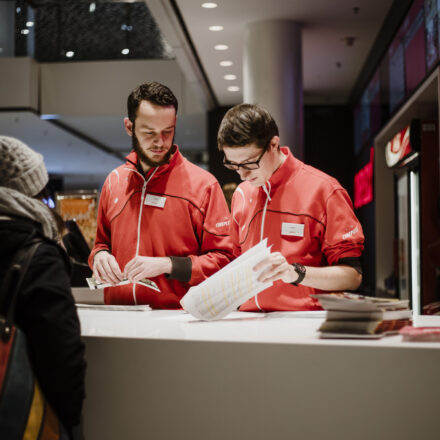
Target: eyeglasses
[(246, 165)]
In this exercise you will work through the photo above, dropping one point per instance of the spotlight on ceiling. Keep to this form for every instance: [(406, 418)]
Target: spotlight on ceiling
[(230, 77), (233, 89), (226, 63), (209, 5), (125, 51), (215, 28), (70, 53), (221, 47)]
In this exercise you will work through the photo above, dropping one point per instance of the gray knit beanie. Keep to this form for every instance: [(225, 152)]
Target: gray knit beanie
[(21, 168)]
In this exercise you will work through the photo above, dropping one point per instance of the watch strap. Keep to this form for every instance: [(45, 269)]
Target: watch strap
[(301, 271)]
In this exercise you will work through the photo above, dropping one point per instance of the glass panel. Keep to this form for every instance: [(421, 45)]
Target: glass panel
[(7, 32), (403, 235), (415, 239)]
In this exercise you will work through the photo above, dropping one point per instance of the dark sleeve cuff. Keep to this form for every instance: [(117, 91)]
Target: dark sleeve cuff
[(181, 269), (354, 262)]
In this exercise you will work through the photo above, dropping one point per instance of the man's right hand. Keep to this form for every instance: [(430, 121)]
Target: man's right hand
[(106, 268)]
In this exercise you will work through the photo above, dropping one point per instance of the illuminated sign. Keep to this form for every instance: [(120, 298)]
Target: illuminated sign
[(398, 147), (363, 183)]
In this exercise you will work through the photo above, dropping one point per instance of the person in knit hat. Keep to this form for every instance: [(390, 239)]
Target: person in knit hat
[(45, 309), (23, 177), (21, 168)]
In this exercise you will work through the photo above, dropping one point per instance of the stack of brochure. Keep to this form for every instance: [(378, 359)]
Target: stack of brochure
[(357, 316), (228, 288)]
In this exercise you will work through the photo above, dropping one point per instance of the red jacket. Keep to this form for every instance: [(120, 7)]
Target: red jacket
[(307, 216), (193, 222)]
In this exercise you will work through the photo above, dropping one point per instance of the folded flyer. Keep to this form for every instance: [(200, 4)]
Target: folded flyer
[(93, 284)]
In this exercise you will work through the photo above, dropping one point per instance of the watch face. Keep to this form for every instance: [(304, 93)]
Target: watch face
[(299, 268)]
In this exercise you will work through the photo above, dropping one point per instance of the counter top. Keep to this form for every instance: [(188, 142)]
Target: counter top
[(271, 328)]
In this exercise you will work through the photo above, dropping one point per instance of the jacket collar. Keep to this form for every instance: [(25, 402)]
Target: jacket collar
[(288, 170), (133, 163)]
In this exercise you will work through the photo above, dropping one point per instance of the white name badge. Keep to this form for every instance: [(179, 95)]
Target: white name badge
[(152, 200), (292, 229)]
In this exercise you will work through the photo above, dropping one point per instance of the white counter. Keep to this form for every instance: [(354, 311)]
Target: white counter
[(164, 375)]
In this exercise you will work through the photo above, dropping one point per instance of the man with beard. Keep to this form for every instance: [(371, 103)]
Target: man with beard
[(160, 216)]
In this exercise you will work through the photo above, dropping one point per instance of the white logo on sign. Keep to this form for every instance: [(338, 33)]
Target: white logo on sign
[(292, 229), (152, 200)]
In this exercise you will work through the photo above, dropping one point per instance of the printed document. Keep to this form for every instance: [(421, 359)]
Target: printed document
[(228, 288)]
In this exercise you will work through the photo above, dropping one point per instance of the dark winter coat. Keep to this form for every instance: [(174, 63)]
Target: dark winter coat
[(47, 315)]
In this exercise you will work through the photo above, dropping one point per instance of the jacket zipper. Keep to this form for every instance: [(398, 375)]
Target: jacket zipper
[(144, 187), (267, 191)]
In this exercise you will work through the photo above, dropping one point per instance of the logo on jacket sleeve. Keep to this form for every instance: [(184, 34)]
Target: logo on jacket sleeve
[(220, 224), (350, 233)]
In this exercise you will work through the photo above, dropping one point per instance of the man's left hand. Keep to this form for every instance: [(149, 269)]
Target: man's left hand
[(146, 267)]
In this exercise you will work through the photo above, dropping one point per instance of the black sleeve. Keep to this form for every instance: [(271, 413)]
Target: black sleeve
[(181, 269), (354, 262), (47, 314)]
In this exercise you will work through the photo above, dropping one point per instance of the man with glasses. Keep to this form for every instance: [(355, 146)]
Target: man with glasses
[(305, 214), (160, 216)]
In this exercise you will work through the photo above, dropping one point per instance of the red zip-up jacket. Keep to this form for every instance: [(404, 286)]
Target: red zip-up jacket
[(307, 216), (175, 210)]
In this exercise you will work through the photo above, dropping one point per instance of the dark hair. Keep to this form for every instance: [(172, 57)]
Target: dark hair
[(246, 124), (153, 92)]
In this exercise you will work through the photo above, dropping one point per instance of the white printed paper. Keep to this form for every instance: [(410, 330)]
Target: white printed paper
[(228, 288)]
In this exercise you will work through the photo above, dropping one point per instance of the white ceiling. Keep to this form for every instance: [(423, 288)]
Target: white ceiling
[(325, 25)]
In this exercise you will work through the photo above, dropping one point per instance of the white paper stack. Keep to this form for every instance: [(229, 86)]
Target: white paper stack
[(228, 288)]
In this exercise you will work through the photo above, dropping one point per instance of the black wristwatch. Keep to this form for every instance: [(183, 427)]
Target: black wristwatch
[(301, 271)]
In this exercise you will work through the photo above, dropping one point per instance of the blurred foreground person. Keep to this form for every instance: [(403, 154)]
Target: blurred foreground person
[(45, 309)]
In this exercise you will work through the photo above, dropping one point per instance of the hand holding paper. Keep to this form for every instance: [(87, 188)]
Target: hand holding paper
[(274, 268), (230, 287)]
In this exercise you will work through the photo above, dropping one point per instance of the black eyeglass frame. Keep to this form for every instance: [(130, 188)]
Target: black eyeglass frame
[(235, 166)]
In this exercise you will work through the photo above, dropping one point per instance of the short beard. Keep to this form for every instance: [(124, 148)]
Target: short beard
[(145, 159)]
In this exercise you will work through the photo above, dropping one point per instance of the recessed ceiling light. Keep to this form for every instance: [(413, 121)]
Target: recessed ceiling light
[(215, 28), (226, 63), (70, 53), (233, 89), (29, 23), (92, 7), (209, 5), (25, 31), (125, 51), (230, 77), (221, 47)]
